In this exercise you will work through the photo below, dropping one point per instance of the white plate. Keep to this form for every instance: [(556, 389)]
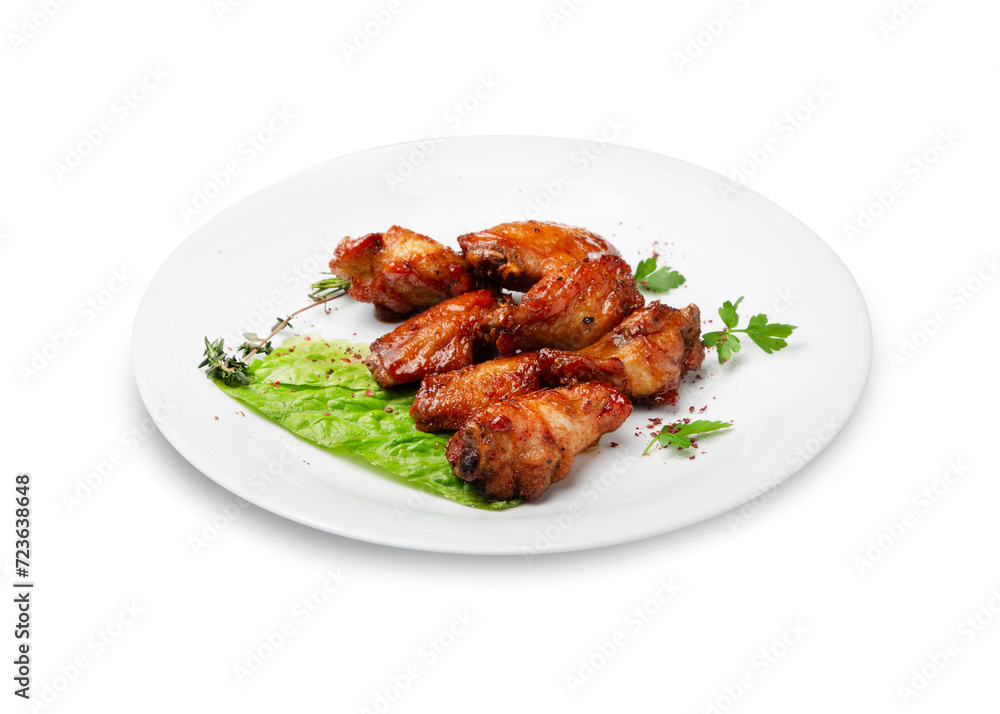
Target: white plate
[(256, 260)]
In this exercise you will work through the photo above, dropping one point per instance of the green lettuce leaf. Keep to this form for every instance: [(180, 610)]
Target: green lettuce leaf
[(322, 391)]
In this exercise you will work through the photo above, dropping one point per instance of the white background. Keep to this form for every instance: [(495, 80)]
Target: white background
[(792, 567)]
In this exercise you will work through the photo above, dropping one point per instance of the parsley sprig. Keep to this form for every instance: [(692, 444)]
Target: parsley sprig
[(679, 434), (769, 336), (657, 281), (231, 370)]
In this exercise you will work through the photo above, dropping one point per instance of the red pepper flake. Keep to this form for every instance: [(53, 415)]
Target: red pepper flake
[(307, 339), (369, 393), (327, 414), (691, 458), (345, 359), (242, 414), (614, 444), (388, 410), (703, 408), (216, 418), (291, 349), (691, 410), (275, 384)]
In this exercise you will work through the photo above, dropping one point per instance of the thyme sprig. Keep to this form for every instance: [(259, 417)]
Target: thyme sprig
[(231, 370)]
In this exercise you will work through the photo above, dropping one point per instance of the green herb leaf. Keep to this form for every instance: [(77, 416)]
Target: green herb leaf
[(657, 281), (679, 434), (729, 344), (663, 280), (222, 367), (728, 313), (645, 269), (768, 336), (711, 339)]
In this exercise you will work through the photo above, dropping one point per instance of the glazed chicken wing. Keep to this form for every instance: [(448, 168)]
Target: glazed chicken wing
[(518, 447), (644, 357), (517, 255), (400, 271), (441, 339), (447, 401), (570, 308)]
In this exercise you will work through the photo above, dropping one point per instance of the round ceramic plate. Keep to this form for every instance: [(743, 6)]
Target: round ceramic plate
[(256, 260)]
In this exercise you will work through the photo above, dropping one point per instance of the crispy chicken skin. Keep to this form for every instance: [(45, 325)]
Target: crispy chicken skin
[(518, 447), (447, 401), (568, 309), (400, 271), (517, 255), (644, 357), (441, 339)]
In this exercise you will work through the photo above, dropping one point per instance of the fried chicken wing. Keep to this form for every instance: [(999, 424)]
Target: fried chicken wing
[(644, 357), (570, 308), (518, 447), (400, 271), (517, 255), (447, 401), (444, 338)]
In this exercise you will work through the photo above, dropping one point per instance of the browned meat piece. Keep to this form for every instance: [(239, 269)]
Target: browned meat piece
[(519, 254), (645, 356), (441, 339), (447, 401), (400, 271), (569, 308), (518, 447)]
